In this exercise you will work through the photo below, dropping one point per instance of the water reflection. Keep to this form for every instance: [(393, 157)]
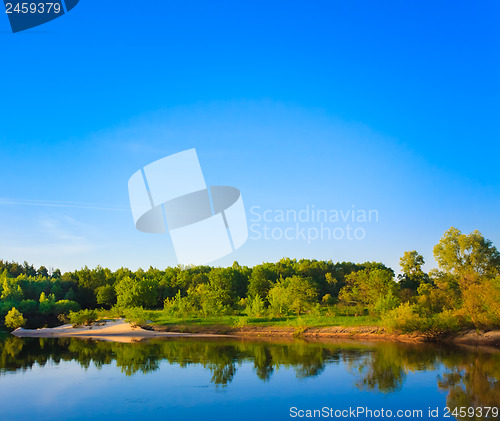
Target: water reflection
[(471, 377)]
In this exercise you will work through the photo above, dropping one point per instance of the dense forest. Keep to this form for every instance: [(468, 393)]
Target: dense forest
[(463, 292)]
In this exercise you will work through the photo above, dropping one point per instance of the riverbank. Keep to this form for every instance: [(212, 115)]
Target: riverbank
[(122, 331), (469, 337), (118, 330)]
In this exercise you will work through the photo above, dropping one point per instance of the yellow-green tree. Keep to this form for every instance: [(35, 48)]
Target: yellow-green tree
[(473, 262), (14, 319)]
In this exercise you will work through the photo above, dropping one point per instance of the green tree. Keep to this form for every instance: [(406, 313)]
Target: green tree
[(14, 319), (106, 295), (46, 305), (230, 281), (136, 293), (293, 294), (43, 272), (210, 300), (412, 274), (11, 290), (70, 295), (28, 307), (471, 266), (467, 254), (82, 317), (65, 306), (255, 306), (369, 288), (260, 282)]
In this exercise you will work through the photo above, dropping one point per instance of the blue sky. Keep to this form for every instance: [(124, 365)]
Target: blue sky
[(388, 105)]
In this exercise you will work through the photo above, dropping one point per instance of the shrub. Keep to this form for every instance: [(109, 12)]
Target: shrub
[(405, 318), (209, 300), (47, 305), (28, 306), (5, 307), (316, 310), (447, 321), (177, 306), (294, 294), (114, 312), (255, 306), (136, 293), (481, 304), (14, 319), (328, 299), (82, 317), (106, 295), (137, 316), (241, 322), (65, 306), (385, 303)]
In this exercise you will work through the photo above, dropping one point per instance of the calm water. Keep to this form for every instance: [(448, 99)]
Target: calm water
[(73, 379)]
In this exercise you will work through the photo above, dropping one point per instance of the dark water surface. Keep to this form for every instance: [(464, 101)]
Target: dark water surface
[(193, 379)]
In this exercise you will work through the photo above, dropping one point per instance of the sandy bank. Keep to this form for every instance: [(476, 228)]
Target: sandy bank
[(109, 330)]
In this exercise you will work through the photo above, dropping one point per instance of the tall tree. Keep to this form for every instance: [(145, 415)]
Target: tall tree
[(467, 254), (412, 274)]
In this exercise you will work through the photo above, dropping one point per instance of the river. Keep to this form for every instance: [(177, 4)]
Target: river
[(241, 379)]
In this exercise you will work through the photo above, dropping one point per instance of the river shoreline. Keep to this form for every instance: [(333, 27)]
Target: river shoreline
[(122, 331)]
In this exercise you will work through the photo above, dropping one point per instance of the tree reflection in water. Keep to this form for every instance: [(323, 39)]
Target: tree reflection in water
[(471, 377)]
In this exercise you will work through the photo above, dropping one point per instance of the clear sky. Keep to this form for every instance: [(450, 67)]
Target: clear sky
[(390, 106)]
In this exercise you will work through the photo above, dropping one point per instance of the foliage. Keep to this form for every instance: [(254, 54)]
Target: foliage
[(370, 287), (433, 299), (386, 302), (47, 304), (177, 306), (11, 290), (106, 295), (137, 316), (481, 304), (471, 266), (14, 319), (255, 306), (210, 300), (82, 317), (65, 307), (405, 318), (260, 281), (294, 294), (462, 254), (327, 299), (136, 292), (412, 274), (28, 306)]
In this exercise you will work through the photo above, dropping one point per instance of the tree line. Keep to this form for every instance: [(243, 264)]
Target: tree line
[(464, 291)]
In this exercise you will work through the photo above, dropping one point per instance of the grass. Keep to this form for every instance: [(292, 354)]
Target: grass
[(158, 317)]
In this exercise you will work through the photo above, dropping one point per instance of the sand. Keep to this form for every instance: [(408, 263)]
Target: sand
[(108, 330)]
